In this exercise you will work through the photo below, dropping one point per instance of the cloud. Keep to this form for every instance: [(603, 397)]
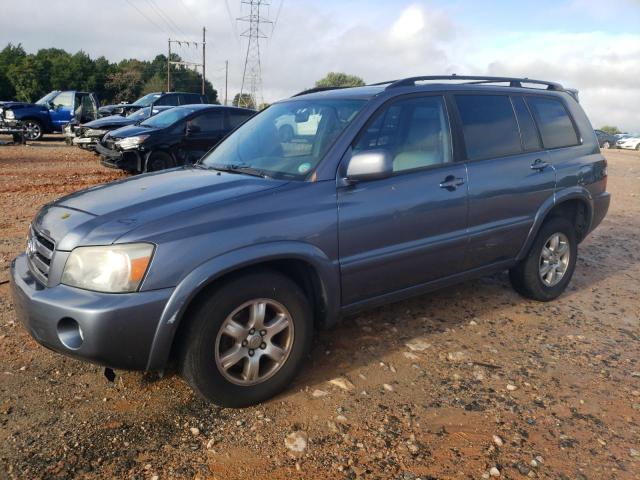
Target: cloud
[(375, 40)]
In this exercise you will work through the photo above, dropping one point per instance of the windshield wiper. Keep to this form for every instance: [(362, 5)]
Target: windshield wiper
[(241, 168)]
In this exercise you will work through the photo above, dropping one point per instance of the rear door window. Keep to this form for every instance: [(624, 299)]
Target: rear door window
[(528, 131), (209, 122), (489, 126), (168, 100), (237, 118), (554, 122)]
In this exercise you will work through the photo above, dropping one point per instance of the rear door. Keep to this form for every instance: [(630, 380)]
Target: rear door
[(409, 229), (510, 174)]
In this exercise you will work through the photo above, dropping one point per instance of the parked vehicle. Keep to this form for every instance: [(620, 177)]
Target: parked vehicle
[(180, 136), (631, 142), (52, 112), (88, 135), (606, 140), (228, 265), (171, 99)]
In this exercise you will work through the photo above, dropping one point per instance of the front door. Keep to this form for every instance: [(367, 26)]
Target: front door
[(61, 111), (410, 228), (510, 175), (210, 130)]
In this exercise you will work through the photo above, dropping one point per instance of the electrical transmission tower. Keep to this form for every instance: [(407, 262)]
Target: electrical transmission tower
[(252, 74)]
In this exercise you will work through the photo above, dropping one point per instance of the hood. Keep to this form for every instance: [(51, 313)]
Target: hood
[(109, 108), (132, 131), (112, 121), (19, 105), (102, 214)]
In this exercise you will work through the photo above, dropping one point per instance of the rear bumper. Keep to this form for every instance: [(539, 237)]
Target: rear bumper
[(600, 208), (116, 330)]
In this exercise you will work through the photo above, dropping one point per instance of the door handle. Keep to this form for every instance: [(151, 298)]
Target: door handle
[(451, 183), (539, 165)]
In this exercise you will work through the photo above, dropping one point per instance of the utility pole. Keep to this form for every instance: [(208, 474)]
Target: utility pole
[(226, 80), (204, 43), (187, 64), (252, 74), (169, 68)]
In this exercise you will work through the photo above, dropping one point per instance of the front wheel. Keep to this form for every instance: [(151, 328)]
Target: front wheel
[(546, 271), (158, 161), (606, 145), (247, 341), (33, 130)]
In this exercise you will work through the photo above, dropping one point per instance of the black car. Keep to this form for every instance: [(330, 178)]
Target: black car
[(606, 140), (88, 134), (172, 99), (178, 136)]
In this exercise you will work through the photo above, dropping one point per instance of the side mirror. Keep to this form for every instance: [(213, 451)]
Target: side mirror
[(51, 105), (191, 129), (370, 165)]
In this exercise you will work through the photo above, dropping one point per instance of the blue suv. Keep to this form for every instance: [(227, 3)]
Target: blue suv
[(370, 195)]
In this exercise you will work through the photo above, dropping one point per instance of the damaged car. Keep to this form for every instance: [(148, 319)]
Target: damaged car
[(179, 136), (172, 99), (88, 135), (51, 113)]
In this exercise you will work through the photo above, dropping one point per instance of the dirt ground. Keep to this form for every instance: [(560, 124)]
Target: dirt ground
[(468, 382)]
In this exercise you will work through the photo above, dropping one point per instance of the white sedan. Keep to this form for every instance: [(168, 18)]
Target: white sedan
[(629, 143)]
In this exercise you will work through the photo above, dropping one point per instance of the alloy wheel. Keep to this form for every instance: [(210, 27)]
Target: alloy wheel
[(554, 259), (254, 342)]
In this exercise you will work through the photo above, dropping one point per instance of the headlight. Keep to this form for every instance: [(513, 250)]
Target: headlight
[(111, 269), (131, 142), (94, 132), (9, 114)]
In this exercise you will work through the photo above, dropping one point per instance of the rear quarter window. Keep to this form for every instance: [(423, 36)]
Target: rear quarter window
[(554, 122), (489, 126), (528, 131)]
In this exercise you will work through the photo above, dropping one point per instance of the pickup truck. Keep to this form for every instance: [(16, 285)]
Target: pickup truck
[(49, 114)]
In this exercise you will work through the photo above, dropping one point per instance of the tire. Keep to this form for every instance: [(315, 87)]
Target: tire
[(205, 344), (285, 133), (527, 276), (158, 161), (638, 147), (606, 145), (33, 130)]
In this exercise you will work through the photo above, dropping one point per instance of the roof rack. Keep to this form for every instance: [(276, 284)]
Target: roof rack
[(316, 89), (475, 79)]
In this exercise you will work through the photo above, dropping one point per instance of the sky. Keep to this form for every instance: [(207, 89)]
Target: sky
[(590, 45)]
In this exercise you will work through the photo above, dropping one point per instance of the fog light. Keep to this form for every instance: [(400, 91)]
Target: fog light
[(69, 333)]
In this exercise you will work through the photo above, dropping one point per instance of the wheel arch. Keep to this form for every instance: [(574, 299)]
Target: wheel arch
[(305, 264), (576, 204)]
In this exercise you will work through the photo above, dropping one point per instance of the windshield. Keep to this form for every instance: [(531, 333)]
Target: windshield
[(139, 114), (167, 118), (47, 98), (147, 99), (287, 140)]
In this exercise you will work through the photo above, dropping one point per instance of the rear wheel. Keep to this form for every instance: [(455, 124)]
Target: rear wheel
[(159, 161), (546, 271), (246, 342), (33, 130)]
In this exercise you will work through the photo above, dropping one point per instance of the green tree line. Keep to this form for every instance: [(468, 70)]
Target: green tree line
[(27, 76)]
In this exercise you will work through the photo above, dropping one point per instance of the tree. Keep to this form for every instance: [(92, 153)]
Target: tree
[(262, 106), (245, 101), (339, 79), (610, 129)]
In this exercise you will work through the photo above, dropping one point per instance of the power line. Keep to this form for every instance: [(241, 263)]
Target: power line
[(146, 17), (165, 18), (275, 22)]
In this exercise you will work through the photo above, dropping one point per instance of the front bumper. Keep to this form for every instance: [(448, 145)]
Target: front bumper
[(129, 160), (88, 143), (115, 330)]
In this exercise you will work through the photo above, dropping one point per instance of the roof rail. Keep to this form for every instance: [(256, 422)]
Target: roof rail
[(476, 79), (315, 89)]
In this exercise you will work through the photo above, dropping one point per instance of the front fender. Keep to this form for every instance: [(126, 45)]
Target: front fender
[(208, 272), (42, 117), (571, 193)]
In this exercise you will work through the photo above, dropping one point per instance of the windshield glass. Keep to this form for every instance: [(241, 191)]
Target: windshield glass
[(147, 99), (287, 140), (47, 98), (168, 118), (139, 114)]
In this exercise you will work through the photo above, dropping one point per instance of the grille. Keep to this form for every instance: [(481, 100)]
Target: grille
[(39, 252)]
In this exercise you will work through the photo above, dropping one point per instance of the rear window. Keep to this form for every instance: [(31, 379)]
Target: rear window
[(554, 122), (528, 132), (489, 126)]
